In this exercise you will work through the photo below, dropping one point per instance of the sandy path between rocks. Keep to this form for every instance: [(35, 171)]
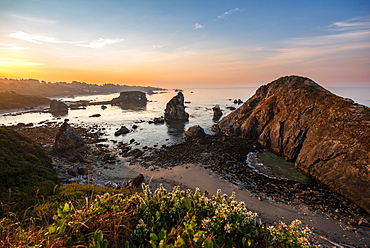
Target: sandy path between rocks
[(192, 176)]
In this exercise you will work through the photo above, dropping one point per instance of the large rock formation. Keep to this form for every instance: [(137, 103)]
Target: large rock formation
[(175, 109), (58, 107), (327, 136), (67, 139), (128, 98)]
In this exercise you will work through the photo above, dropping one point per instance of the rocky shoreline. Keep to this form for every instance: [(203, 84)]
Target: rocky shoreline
[(223, 154)]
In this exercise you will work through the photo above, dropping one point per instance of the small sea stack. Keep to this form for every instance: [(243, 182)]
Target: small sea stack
[(175, 109)]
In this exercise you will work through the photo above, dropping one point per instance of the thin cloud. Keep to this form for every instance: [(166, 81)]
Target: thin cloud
[(35, 19), (99, 43), (351, 24), (198, 26), (350, 39), (157, 46), (37, 39), (227, 13), (13, 46)]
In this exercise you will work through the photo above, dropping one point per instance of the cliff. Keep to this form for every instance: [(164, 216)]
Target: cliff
[(327, 136)]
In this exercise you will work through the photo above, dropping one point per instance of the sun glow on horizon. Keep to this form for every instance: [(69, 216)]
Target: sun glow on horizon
[(185, 45)]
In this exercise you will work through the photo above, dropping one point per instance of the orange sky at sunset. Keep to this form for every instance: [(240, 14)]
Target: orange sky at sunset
[(186, 44)]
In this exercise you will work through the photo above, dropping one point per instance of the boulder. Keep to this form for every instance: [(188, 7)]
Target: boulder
[(217, 113), (130, 98), (195, 131), (175, 109), (327, 136), (58, 107), (67, 139), (122, 130), (136, 182), (157, 120)]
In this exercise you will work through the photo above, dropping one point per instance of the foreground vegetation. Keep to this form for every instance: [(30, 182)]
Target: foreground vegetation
[(36, 212), (151, 219)]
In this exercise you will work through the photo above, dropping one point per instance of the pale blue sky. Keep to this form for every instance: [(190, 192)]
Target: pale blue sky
[(186, 43)]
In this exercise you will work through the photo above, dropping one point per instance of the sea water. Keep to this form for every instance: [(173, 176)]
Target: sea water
[(199, 103)]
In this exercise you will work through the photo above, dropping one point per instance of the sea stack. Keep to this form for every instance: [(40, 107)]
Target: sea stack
[(175, 109), (129, 98), (327, 136)]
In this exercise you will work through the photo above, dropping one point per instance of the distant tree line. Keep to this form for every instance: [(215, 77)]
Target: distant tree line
[(55, 89)]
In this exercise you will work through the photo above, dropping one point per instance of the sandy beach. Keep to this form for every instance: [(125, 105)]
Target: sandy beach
[(326, 231)]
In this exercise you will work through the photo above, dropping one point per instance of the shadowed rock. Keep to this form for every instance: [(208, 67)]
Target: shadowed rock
[(327, 136), (217, 113), (195, 131), (67, 139), (58, 107), (130, 98), (175, 109)]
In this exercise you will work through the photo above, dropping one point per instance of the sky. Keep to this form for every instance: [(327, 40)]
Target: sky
[(186, 44)]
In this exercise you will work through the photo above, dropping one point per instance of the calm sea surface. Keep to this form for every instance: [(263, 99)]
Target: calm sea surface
[(199, 103)]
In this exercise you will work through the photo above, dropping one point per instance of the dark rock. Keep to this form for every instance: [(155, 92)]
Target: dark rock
[(238, 101), (82, 171), (150, 92), (327, 136), (67, 139), (231, 108), (95, 115), (58, 107), (103, 107), (134, 126), (217, 113), (195, 131), (130, 98), (136, 182), (134, 153), (157, 120), (175, 109), (122, 130), (73, 172)]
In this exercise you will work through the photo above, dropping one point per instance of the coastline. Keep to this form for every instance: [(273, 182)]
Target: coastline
[(326, 231)]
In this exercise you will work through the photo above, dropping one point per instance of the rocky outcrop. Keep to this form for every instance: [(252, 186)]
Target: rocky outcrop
[(175, 109), (195, 131), (67, 139), (128, 98), (217, 113), (58, 107), (327, 136), (122, 130)]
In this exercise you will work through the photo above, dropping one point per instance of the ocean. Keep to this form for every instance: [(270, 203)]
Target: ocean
[(199, 103)]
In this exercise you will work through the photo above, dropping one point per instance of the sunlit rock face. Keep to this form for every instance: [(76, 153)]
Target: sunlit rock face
[(175, 109), (327, 136)]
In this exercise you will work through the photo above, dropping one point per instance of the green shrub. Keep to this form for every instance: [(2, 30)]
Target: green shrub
[(159, 219)]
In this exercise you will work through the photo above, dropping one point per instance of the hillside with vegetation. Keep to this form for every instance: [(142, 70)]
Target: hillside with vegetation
[(25, 171), (10, 100), (54, 89), (37, 212)]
